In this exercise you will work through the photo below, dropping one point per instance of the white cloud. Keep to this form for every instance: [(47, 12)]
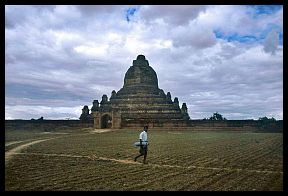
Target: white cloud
[(27, 112), (194, 36), (271, 42), (171, 14), (233, 19), (226, 18), (92, 51), (60, 57)]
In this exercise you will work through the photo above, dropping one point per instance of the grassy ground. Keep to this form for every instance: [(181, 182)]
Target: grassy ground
[(177, 160)]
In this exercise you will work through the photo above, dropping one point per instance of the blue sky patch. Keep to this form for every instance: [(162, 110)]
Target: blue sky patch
[(129, 13), (259, 10), (236, 37), (260, 38)]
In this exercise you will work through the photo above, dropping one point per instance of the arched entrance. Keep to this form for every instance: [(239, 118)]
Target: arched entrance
[(106, 121)]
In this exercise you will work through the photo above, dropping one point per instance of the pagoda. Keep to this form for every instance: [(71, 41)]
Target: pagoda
[(139, 102)]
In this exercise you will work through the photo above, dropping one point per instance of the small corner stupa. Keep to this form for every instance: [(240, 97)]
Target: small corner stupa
[(139, 102)]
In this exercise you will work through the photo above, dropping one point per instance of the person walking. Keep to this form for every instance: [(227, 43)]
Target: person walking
[(143, 137)]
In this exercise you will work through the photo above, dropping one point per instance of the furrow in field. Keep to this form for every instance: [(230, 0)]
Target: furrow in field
[(9, 154), (245, 155), (162, 165), (258, 155), (244, 148), (149, 180), (228, 182), (205, 183), (196, 182), (185, 176)]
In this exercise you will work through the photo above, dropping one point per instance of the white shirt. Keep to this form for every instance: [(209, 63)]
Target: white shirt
[(143, 136)]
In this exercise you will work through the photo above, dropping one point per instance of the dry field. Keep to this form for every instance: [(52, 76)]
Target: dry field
[(93, 160)]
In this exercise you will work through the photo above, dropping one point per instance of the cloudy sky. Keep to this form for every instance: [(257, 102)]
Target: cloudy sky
[(226, 59)]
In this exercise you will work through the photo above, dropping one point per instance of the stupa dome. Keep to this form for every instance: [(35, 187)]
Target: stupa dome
[(140, 74)]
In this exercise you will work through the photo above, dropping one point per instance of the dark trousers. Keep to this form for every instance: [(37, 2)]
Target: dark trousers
[(143, 151)]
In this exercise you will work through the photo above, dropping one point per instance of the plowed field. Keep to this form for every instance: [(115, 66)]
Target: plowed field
[(177, 160)]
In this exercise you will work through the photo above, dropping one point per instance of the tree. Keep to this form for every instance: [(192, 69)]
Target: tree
[(266, 123), (265, 119), (217, 116)]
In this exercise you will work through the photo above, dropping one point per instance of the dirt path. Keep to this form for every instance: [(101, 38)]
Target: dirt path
[(11, 143), (10, 153), (17, 150), (125, 161), (17, 142), (101, 130), (47, 132)]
